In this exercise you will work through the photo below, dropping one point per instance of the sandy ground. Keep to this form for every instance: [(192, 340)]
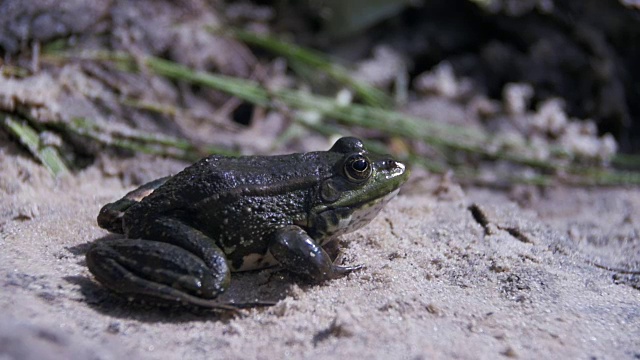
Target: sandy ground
[(531, 283)]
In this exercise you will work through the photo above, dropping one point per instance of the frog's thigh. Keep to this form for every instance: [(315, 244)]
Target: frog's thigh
[(299, 253), (150, 269), (175, 232)]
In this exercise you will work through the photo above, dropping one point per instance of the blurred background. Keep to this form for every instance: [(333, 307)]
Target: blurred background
[(492, 92)]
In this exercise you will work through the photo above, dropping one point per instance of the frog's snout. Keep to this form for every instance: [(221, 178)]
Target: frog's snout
[(395, 168)]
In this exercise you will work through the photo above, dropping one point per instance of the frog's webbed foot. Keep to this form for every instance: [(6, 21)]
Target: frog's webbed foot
[(299, 253), (345, 269), (182, 266)]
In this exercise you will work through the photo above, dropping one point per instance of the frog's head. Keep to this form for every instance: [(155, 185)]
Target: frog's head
[(358, 186)]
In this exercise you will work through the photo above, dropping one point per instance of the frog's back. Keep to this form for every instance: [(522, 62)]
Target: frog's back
[(215, 177), (111, 215)]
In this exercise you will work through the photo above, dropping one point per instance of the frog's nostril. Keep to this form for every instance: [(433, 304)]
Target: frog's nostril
[(396, 168), (396, 165)]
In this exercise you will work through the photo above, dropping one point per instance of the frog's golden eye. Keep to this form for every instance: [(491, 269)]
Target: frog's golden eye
[(357, 168)]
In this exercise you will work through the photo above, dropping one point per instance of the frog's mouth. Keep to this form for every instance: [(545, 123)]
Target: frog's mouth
[(366, 206)]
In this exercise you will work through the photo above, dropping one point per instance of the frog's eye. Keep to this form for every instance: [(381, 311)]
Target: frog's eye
[(357, 168)]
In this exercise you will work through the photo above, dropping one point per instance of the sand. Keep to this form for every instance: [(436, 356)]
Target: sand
[(549, 273)]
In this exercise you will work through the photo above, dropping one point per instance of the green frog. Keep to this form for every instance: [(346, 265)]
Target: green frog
[(184, 234)]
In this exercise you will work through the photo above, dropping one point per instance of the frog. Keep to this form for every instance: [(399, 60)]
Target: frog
[(181, 236)]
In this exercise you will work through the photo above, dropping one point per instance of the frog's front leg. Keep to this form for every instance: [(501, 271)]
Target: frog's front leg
[(299, 253), (177, 264)]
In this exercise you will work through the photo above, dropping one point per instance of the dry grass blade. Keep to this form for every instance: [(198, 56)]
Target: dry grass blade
[(48, 155), (317, 62), (447, 138)]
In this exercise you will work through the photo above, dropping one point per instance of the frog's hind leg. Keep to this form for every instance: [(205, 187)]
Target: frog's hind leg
[(111, 214), (177, 264), (153, 272)]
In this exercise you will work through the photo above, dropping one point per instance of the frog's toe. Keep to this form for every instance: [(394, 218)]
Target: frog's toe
[(339, 270)]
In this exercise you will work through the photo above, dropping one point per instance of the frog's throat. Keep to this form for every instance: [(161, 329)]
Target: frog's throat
[(338, 221)]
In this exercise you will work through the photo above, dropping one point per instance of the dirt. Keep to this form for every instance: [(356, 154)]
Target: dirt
[(520, 276)]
